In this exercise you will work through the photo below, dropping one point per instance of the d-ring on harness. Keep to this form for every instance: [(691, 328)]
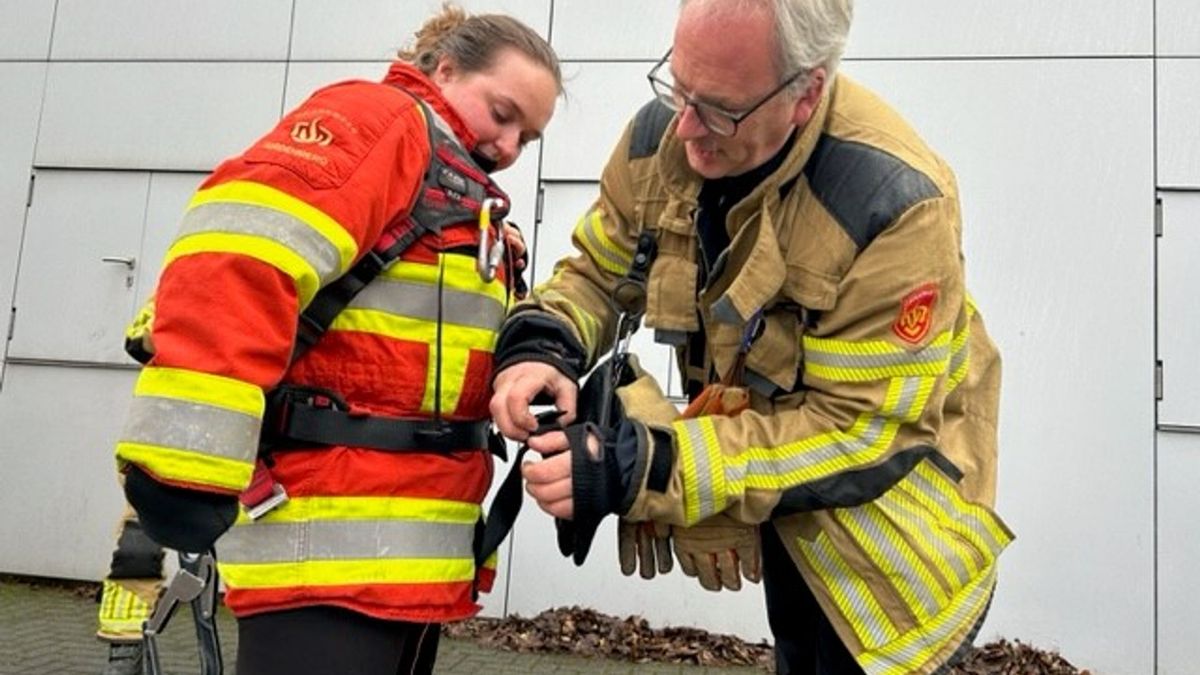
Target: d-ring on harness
[(487, 260)]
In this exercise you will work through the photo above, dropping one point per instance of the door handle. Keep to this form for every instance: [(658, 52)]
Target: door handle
[(128, 261)]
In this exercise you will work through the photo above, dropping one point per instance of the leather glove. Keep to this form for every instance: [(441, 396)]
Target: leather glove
[(644, 547), (719, 550), (185, 520)]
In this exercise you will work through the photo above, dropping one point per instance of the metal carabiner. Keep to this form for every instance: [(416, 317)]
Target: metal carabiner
[(487, 260)]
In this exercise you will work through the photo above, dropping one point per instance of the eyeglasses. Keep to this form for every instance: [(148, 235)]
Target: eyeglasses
[(714, 118)]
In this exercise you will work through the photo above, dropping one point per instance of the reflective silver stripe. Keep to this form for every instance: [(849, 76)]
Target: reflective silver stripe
[(905, 654), (234, 218), (420, 301), (973, 524), (706, 501), (778, 466), (838, 575), (345, 540), (910, 387), (893, 503), (931, 355), (884, 548), (196, 427)]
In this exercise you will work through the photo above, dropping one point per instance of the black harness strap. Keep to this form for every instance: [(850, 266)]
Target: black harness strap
[(310, 424)]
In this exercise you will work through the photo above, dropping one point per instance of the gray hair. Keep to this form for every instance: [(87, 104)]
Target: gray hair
[(809, 33)]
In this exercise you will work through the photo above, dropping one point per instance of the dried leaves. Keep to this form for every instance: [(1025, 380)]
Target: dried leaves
[(1014, 658), (585, 632)]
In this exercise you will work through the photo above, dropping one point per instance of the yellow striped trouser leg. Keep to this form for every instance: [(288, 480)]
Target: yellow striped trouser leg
[(124, 605)]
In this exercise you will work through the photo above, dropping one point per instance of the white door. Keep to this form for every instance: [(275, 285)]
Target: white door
[(79, 261)]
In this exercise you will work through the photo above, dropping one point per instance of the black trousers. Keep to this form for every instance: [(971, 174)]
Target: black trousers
[(805, 642), (333, 641)]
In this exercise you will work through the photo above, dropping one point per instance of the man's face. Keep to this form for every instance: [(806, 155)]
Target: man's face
[(725, 60)]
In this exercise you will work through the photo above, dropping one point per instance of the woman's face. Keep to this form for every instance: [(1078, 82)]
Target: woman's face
[(506, 106)]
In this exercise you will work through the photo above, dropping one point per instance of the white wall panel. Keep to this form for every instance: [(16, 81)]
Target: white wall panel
[(215, 30), (1179, 312), (25, 31), (331, 30), (617, 29), (1178, 32), (1058, 220), (542, 578), (71, 305), (941, 28), (59, 496), (603, 97), (169, 196), (23, 84), (563, 205), (305, 78), (1178, 553), (1178, 134), (182, 116)]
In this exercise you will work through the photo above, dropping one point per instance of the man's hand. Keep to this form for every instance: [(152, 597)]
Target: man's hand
[(515, 389)]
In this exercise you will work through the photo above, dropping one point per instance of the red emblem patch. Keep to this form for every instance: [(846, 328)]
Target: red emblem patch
[(916, 314)]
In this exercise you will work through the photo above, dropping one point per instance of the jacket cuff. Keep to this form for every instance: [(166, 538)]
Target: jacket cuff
[(646, 457), (532, 335)]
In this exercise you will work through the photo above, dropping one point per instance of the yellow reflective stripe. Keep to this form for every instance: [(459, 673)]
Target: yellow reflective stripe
[(960, 353), (906, 398), (457, 344), (122, 611), (302, 509), (414, 330), (257, 194), (460, 274), (273, 253), (846, 361), (891, 554), (814, 457), (204, 388), (953, 559), (704, 489), (590, 235), (585, 322), (918, 646), (187, 466), (853, 596), (349, 572), (974, 522)]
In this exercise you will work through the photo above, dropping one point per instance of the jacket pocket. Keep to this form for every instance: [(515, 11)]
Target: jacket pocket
[(773, 363)]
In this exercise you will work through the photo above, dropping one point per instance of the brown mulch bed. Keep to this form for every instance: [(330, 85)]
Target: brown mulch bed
[(585, 632)]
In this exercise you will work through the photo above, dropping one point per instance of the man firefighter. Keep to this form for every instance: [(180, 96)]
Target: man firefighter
[(794, 240)]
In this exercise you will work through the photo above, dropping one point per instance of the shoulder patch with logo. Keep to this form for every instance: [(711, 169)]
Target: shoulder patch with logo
[(916, 314), (327, 137)]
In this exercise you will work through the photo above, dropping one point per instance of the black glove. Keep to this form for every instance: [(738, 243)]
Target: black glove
[(185, 520), (602, 484)]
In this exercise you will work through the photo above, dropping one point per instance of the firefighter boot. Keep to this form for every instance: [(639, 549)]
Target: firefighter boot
[(124, 658)]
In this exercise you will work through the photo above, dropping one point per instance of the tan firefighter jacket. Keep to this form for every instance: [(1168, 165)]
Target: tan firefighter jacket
[(871, 439)]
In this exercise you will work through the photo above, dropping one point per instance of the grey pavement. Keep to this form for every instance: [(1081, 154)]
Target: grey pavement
[(50, 629)]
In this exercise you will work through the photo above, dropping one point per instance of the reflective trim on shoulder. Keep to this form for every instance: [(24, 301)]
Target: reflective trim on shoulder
[(841, 172), (648, 127)]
